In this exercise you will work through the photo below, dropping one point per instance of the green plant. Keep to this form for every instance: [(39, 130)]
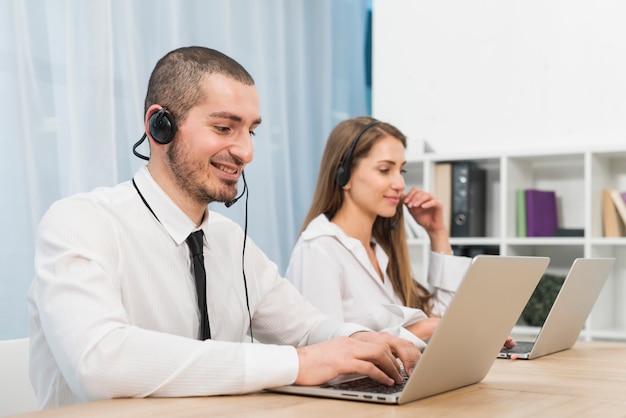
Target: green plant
[(539, 304)]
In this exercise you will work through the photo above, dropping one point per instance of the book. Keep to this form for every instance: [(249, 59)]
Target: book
[(541, 215), (612, 225), (620, 205), (520, 200), (570, 232), (443, 190)]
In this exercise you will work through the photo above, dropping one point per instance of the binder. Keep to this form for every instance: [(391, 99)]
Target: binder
[(468, 199)]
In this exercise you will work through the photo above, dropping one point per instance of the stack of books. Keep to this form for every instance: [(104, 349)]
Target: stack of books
[(537, 215)]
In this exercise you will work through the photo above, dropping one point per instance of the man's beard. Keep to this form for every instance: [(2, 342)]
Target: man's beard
[(191, 176)]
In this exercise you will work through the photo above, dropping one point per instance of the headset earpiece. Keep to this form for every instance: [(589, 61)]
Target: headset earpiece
[(342, 176), (161, 126)]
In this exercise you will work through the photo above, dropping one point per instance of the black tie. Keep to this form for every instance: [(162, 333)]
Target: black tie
[(194, 241)]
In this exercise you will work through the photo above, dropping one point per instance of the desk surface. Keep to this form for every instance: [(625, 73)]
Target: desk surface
[(587, 380)]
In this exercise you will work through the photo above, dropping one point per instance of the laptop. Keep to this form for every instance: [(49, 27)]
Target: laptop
[(570, 310), (467, 340)]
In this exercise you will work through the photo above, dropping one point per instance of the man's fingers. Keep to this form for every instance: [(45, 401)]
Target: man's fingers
[(391, 367), (405, 351), (383, 350), (408, 355), (367, 368), (381, 357)]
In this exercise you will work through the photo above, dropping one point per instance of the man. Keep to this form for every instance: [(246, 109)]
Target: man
[(113, 307)]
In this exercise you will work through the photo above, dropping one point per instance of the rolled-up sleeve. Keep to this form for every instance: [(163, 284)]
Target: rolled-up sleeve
[(445, 274)]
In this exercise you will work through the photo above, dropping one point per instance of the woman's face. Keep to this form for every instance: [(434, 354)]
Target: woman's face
[(377, 180)]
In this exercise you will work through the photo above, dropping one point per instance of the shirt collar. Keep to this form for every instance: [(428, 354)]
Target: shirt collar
[(173, 219), (322, 226)]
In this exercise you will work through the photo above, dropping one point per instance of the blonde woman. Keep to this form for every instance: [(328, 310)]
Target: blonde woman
[(351, 259)]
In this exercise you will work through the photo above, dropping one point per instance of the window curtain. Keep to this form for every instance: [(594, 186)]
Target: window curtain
[(73, 76)]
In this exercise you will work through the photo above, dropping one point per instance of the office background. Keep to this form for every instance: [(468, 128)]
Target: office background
[(73, 76), (458, 76)]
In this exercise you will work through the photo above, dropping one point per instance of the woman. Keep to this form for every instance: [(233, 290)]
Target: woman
[(351, 259)]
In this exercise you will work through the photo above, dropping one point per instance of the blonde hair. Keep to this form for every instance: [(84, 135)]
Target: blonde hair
[(389, 233)]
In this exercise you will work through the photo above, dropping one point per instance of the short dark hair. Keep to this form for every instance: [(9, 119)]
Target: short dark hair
[(176, 78)]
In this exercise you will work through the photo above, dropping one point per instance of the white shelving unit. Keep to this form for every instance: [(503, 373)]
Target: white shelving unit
[(578, 177)]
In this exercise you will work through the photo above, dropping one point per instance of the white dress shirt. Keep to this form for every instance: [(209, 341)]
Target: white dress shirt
[(333, 271), (113, 308)]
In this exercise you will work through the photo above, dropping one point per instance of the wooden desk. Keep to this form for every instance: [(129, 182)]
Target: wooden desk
[(587, 380)]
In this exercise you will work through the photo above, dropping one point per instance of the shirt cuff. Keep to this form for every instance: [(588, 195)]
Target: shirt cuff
[(408, 335), (406, 316), (270, 366), (447, 271)]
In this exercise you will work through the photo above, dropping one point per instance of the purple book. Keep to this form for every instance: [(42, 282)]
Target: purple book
[(541, 217)]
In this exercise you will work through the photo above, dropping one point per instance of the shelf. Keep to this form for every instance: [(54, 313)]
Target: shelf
[(578, 178), (478, 242), (538, 241)]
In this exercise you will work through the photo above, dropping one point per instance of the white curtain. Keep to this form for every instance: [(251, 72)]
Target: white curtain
[(73, 76)]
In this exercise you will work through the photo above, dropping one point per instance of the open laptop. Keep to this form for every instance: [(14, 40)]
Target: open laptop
[(569, 312), (466, 342)]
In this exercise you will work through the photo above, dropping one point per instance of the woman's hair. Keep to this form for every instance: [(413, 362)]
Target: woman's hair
[(389, 233)]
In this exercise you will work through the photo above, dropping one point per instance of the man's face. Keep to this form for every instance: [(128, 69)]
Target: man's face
[(214, 142)]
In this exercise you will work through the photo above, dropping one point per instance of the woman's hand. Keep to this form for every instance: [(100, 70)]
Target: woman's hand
[(425, 208), (510, 342), (424, 329), (427, 211)]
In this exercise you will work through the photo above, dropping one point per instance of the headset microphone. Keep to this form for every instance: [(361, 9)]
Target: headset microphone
[(245, 188)]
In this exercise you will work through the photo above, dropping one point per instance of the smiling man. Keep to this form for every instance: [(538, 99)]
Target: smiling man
[(140, 290)]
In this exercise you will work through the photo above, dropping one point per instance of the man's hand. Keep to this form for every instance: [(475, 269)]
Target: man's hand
[(373, 354)]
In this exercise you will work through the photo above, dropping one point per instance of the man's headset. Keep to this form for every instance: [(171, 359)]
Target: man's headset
[(342, 176), (245, 189), (162, 128)]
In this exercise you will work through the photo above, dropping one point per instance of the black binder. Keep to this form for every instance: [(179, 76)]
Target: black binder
[(468, 200)]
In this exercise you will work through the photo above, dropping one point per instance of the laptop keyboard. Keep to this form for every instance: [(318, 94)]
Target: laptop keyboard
[(368, 384), (521, 347)]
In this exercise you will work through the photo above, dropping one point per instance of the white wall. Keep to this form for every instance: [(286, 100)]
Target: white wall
[(501, 74)]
